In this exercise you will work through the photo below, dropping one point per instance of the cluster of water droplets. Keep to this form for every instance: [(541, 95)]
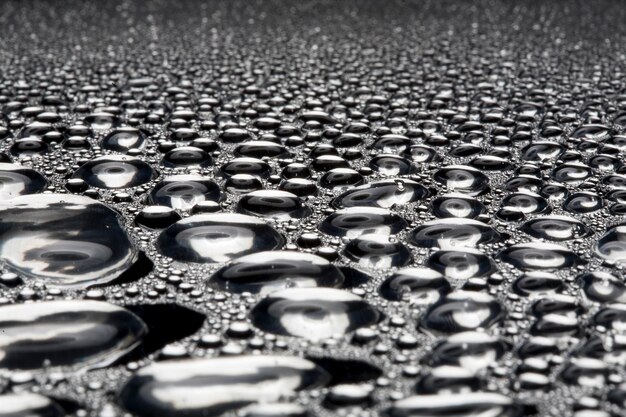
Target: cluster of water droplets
[(212, 210)]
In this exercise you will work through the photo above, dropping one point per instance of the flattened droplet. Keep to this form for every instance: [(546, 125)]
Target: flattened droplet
[(556, 228), (182, 192), (383, 194), (461, 264), (472, 350), (463, 179), (356, 221), (612, 244), (376, 251), (461, 311), (453, 232), (16, 180), (213, 387), (66, 333), (211, 238), (115, 172), (422, 286), (539, 255), (274, 204), (457, 405), (457, 205), (66, 247), (312, 313), (25, 404), (265, 272), (124, 139)]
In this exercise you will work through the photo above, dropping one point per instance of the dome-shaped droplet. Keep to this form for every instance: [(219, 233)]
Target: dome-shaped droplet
[(213, 387), (187, 156), (375, 251), (312, 313), (539, 255), (25, 404), (16, 180), (461, 264), (462, 404), (356, 221), (463, 179), (182, 192), (612, 244), (603, 287), (457, 205), (557, 228), (123, 140), (462, 311), (420, 286), (65, 246), (471, 350), (211, 238), (453, 232), (383, 194), (115, 172), (275, 204), (66, 333), (265, 272)]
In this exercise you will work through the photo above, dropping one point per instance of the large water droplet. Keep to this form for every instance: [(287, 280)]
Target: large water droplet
[(203, 387), (210, 238), (312, 313)]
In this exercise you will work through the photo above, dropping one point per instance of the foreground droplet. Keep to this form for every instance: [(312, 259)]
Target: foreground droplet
[(212, 387), (465, 404), (28, 405), (65, 245), (66, 333)]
